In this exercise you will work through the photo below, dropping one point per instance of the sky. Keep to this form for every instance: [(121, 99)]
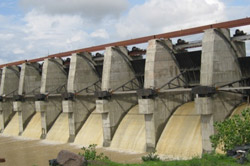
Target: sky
[(37, 28)]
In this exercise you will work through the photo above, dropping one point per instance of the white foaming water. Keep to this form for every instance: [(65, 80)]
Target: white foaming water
[(12, 129), (34, 128), (60, 130), (130, 135), (91, 132), (181, 138)]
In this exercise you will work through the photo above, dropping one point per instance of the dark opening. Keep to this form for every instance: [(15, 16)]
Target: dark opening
[(190, 64)]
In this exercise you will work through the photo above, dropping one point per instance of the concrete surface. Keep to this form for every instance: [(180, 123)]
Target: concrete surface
[(116, 72), (9, 86), (54, 80), (82, 74), (160, 68), (29, 85), (219, 66)]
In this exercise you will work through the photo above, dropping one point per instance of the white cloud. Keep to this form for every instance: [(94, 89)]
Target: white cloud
[(51, 26), (52, 34), (157, 16), (100, 33), (18, 51), (93, 9), (41, 26), (42, 34), (7, 36)]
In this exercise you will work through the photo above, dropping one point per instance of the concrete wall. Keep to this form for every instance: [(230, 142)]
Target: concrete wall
[(219, 66), (160, 68), (9, 86), (116, 72), (54, 80), (29, 85), (82, 74)]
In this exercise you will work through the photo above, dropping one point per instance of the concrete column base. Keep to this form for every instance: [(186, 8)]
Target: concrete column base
[(40, 106), (71, 138), (150, 148), (17, 107), (1, 118), (106, 143), (150, 132), (68, 107), (204, 106), (147, 107), (207, 129), (20, 121), (1, 121), (44, 126), (102, 107), (107, 134), (72, 127), (107, 130)]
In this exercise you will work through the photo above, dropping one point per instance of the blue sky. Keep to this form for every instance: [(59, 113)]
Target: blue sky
[(35, 28), (237, 2)]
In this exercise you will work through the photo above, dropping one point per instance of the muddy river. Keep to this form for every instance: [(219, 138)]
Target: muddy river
[(23, 152)]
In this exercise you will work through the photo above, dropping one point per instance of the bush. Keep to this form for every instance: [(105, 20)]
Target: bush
[(152, 156), (90, 153), (232, 132)]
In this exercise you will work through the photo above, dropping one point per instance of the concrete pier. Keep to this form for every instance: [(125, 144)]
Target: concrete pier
[(83, 77), (161, 67), (117, 71), (29, 85), (53, 84), (9, 86), (219, 66)]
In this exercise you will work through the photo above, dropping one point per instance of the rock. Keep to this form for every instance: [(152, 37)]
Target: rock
[(53, 162), (2, 160), (67, 158)]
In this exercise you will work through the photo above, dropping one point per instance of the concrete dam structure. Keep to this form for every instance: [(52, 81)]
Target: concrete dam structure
[(164, 98)]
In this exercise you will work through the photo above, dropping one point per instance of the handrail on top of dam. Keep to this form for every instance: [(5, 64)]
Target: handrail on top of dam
[(179, 33)]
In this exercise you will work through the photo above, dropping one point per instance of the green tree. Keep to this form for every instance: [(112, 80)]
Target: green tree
[(232, 132)]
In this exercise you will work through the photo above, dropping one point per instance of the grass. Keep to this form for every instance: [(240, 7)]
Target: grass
[(206, 160)]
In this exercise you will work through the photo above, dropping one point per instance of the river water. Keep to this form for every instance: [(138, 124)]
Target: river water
[(23, 152)]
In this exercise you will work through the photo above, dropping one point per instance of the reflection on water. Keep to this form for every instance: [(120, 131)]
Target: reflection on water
[(19, 152)]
